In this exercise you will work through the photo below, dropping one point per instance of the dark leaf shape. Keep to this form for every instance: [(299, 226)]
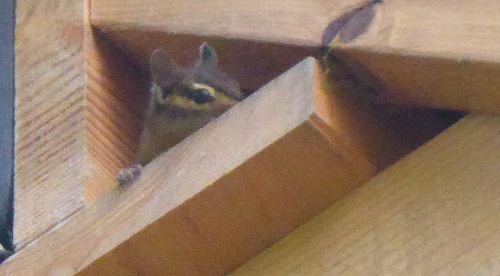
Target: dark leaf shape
[(351, 24), (357, 24)]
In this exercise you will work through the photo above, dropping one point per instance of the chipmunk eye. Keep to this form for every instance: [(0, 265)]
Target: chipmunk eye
[(201, 95)]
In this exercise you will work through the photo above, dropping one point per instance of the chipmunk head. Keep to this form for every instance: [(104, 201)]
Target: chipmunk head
[(200, 90), (183, 100)]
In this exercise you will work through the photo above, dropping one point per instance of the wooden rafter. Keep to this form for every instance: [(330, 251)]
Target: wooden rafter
[(434, 212)]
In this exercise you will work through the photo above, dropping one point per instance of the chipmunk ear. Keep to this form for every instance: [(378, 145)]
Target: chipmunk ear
[(208, 56), (164, 71)]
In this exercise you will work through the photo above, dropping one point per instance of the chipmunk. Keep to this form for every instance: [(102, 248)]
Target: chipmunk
[(182, 100)]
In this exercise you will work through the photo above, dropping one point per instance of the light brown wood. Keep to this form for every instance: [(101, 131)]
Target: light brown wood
[(434, 212), (432, 53), (450, 83), (117, 90), (253, 62), (49, 84), (116, 94), (286, 21), (228, 191)]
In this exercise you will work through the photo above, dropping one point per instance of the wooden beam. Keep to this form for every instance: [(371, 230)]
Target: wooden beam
[(434, 212), (49, 82), (426, 53), (226, 192), (415, 79), (289, 21), (115, 100)]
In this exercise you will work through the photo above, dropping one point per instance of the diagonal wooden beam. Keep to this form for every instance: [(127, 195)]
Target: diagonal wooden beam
[(228, 191), (434, 212), (49, 146)]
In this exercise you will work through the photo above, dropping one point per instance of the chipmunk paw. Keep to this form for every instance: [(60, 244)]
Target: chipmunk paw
[(128, 175)]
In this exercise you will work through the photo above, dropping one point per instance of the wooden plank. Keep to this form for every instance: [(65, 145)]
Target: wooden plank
[(7, 95), (226, 192), (115, 100), (445, 54), (286, 21), (49, 83), (434, 212)]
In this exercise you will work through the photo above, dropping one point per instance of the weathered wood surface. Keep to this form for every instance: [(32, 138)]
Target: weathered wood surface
[(434, 212), (115, 100), (432, 53), (228, 191), (49, 115)]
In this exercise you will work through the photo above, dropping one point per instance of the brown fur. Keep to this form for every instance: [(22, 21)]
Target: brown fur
[(182, 100)]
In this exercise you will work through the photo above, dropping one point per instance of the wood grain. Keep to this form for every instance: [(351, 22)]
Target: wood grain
[(286, 21), (49, 83), (226, 192), (115, 100), (434, 46), (434, 53), (434, 212)]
